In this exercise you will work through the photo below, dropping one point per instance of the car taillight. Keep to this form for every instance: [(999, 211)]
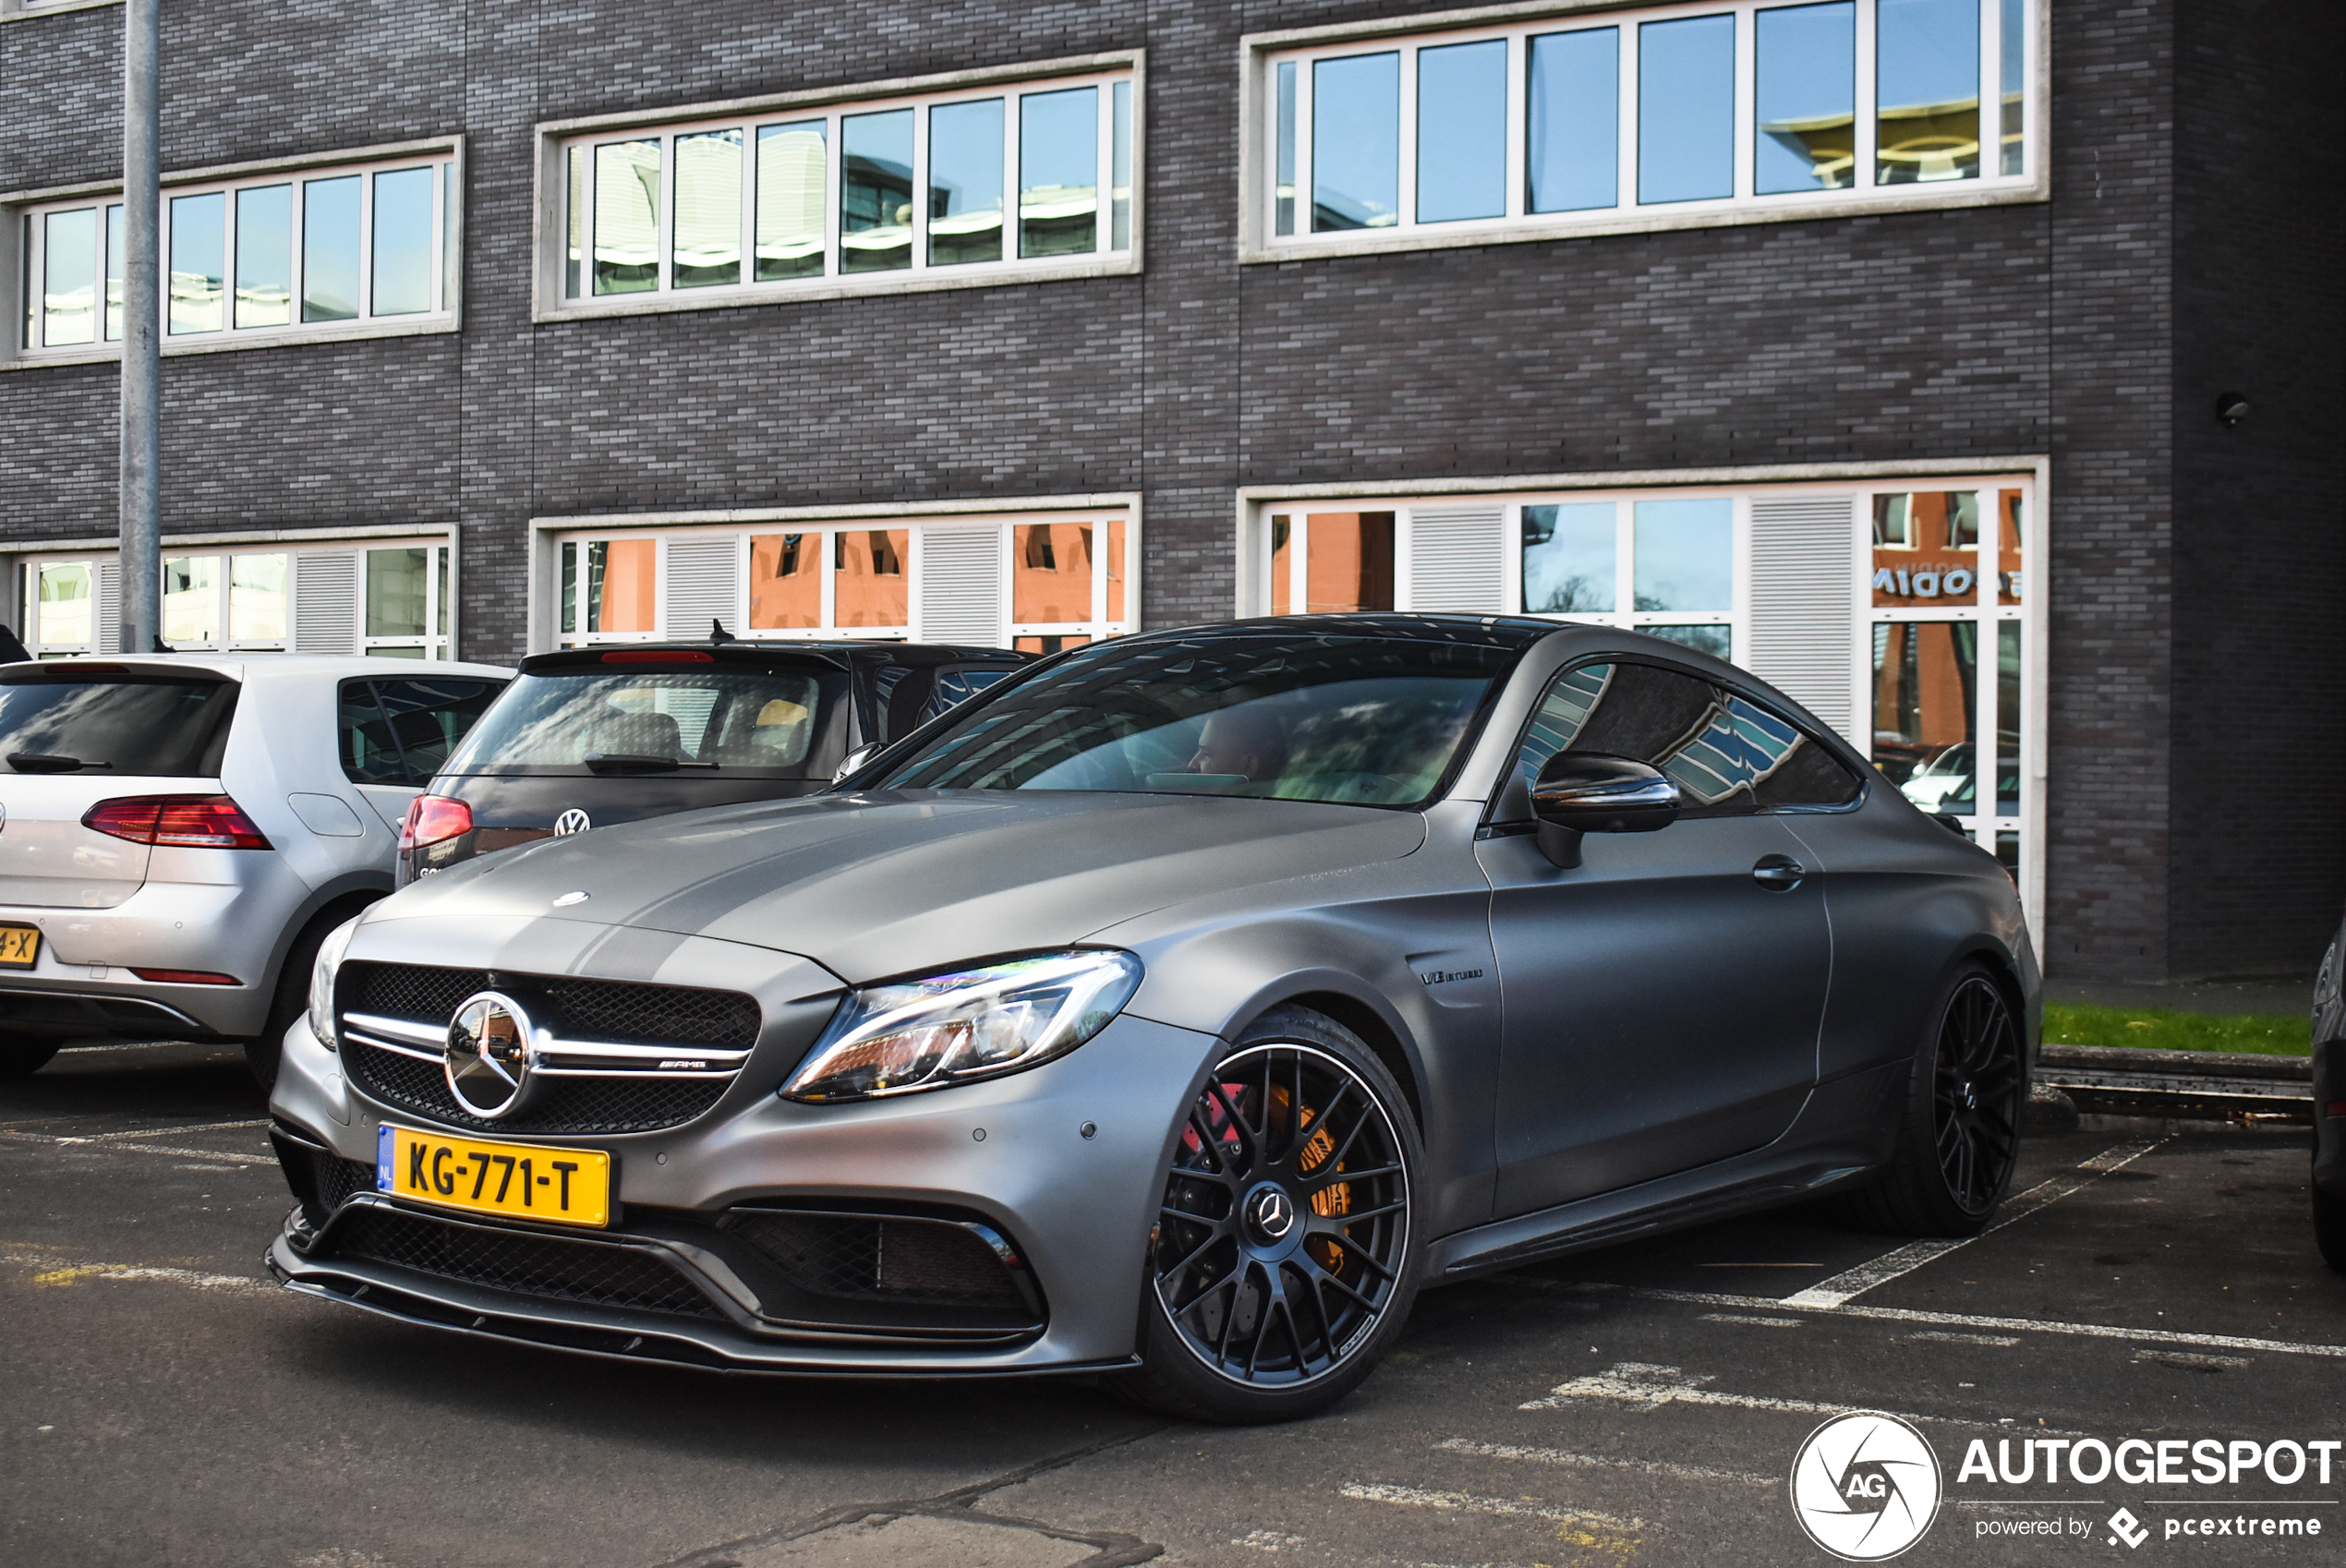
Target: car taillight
[(431, 818), (184, 976), (201, 821)]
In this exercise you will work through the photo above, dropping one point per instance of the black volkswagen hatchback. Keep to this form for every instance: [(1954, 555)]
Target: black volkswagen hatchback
[(595, 736)]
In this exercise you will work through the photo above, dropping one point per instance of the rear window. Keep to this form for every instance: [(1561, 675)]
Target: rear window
[(760, 724), (400, 731), (125, 724)]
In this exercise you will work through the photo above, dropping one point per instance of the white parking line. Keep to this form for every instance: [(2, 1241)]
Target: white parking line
[(1852, 1283), (1751, 1318), (1999, 1341), (1568, 1460), (57, 1269), (93, 1146), (2193, 1363), (1414, 1497), (1649, 1387), (157, 1131)]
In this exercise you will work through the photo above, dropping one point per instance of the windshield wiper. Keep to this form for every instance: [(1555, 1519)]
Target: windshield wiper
[(48, 762), (637, 762)]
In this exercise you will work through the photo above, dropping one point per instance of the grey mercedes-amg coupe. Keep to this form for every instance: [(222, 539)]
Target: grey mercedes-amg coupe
[(1171, 1013)]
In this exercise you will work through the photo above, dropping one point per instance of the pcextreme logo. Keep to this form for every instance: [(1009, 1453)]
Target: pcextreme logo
[(1865, 1487)]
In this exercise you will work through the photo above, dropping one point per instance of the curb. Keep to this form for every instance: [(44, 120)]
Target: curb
[(2199, 1085)]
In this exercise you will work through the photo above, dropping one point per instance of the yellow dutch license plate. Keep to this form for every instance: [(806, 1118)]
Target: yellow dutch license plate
[(19, 945), (522, 1181)]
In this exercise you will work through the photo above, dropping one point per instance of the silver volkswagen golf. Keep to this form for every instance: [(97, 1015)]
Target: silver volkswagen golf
[(1170, 1014)]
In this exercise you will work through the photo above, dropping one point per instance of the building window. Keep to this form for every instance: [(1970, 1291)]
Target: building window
[(922, 189), (1903, 617), (340, 596), (1036, 583), (1610, 120), (287, 254)]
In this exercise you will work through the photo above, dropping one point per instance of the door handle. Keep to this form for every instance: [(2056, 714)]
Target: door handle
[(1779, 874)]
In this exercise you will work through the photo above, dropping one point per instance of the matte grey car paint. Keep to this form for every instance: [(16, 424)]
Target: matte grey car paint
[(1555, 1129)]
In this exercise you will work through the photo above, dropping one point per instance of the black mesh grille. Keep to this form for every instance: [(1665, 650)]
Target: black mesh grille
[(594, 1009), (567, 1105), (594, 1274), (338, 1178), (859, 1258)]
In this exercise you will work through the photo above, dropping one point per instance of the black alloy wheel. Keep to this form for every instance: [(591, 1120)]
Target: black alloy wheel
[(1280, 1263), (1958, 1138)]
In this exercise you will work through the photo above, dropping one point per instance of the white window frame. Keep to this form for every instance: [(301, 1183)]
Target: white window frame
[(438, 646), (557, 137), (23, 237), (17, 10), (1517, 24)]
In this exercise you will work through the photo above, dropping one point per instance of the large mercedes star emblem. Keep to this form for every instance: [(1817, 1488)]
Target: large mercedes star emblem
[(488, 1055), (572, 821)]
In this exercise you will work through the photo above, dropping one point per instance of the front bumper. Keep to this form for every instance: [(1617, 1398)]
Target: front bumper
[(1010, 1158)]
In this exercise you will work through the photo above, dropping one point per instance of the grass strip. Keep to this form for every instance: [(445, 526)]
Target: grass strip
[(2164, 1029)]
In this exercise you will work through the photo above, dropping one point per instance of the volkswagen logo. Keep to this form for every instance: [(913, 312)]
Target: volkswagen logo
[(572, 821), (488, 1055), (1272, 1214)]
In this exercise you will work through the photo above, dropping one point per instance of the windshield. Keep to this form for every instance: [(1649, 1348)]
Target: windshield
[(1347, 719), (757, 724), (159, 725)]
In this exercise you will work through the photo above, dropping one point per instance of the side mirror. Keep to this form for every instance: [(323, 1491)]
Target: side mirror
[(1590, 792), (857, 759)]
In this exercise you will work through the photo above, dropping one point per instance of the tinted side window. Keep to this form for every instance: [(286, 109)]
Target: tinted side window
[(956, 686), (1728, 755), (400, 731)]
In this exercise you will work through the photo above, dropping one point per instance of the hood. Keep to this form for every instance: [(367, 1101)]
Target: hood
[(884, 883)]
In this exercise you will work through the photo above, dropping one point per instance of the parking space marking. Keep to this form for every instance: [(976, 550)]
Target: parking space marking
[(1851, 1283), (56, 1270), (1751, 1318), (1418, 1497), (157, 1131), (1940, 1336), (1649, 1387), (2192, 1363), (51, 1141), (1565, 1459)]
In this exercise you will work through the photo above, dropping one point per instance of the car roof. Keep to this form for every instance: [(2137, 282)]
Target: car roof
[(836, 652), (240, 665), (1482, 631)]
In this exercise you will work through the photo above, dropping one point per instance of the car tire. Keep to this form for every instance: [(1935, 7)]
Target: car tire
[(1272, 1288), (2329, 1228), (1958, 1136), (21, 1056), (264, 1051)]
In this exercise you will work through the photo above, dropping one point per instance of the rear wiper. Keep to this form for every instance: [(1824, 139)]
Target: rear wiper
[(48, 762), (637, 762)]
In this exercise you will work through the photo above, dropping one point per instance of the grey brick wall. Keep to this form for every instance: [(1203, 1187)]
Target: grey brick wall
[(2051, 327)]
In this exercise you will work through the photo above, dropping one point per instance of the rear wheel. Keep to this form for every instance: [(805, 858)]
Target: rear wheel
[(1959, 1139), (264, 1051), (1282, 1264), (21, 1056)]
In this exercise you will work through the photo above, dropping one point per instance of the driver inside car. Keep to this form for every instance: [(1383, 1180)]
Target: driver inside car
[(1241, 742)]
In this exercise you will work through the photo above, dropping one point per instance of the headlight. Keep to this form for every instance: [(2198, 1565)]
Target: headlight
[(321, 980), (907, 1035)]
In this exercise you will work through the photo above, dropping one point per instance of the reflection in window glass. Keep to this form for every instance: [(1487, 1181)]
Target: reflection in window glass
[(257, 599), (1925, 676), (1568, 558), (575, 256), (1806, 103), (790, 200), (1717, 640), (2008, 634), (622, 579), (876, 192), (68, 608), (1058, 172), (626, 217), (1347, 562), (1116, 568), (1462, 131), (708, 209), (868, 584), (1926, 548), (396, 594), (1356, 143), (403, 243), (1283, 216), (1686, 109), (264, 255), (116, 244), (70, 301), (198, 257), (1927, 91), (785, 581), (191, 600), (966, 181), (1684, 554), (2014, 51), (2009, 575), (1051, 572), (1119, 174), (1575, 142), (329, 250), (1282, 564)]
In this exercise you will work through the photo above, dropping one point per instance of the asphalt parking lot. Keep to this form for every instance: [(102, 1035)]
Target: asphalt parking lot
[(1641, 1404)]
